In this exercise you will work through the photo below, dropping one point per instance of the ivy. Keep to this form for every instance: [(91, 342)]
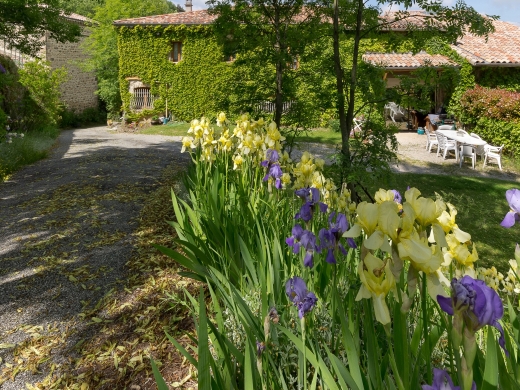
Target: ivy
[(197, 85)]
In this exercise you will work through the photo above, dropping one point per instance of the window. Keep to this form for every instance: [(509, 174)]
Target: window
[(176, 52), (141, 98), (230, 57), (295, 64)]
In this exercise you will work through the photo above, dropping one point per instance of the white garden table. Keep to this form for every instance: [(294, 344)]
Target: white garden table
[(461, 139)]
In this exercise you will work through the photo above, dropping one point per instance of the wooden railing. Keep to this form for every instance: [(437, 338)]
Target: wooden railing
[(270, 106)]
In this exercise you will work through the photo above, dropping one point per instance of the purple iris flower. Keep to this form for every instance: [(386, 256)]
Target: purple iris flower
[(311, 197), (298, 294), (2, 69), (276, 173), (328, 242), (294, 240), (479, 305), (260, 347), (308, 242), (442, 381), (271, 156), (330, 239), (397, 197), (513, 198)]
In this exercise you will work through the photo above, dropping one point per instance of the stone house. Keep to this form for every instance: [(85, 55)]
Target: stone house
[(79, 91), (142, 87)]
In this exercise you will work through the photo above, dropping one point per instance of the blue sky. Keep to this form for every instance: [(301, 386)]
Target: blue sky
[(508, 10)]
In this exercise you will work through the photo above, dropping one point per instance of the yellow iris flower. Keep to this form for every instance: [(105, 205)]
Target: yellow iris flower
[(377, 280)]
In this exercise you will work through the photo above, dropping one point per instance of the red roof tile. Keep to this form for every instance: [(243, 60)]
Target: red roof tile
[(406, 60), (501, 49), (193, 17)]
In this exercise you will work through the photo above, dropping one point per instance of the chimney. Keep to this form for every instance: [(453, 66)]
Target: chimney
[(188, 6)]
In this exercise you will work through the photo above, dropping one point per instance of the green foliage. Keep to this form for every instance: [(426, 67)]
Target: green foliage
[(197, 85), (102, 44), (27, 150), (503, 78), (43, 84), (30, 96), (89, 116), (82, 7), (23, 23), (497, 132)]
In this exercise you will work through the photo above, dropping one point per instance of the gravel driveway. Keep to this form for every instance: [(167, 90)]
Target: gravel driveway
[(65, 236)]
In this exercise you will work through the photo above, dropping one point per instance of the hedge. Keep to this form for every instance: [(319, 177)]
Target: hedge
[(494, 114)]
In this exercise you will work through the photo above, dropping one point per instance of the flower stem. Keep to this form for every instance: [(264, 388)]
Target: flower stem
[(424, 296), (304, 355), (333, 314), (397, 377)]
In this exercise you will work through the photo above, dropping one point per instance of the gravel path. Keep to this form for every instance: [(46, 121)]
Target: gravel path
[(65, 236), (413, 158)]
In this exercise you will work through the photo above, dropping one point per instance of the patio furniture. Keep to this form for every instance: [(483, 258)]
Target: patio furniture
[(431, 139), (467, 151), (494, 152), (445, 127), (480, 148), (358, 123), (394, 111), (445, 145), (462, 131), (461, 139)]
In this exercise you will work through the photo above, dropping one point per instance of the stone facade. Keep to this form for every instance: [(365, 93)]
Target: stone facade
[(78, 92)]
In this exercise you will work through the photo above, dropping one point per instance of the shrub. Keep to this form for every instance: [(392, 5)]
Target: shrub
[(495, 115), (43, 86), (497, 104), (71, 119), (500, 132)]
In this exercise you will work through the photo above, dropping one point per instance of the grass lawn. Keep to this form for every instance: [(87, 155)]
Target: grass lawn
[(24, 151), (320, 135), (481, 206), (175, 128)]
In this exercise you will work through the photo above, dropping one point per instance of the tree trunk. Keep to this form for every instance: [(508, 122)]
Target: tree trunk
[(340, 103), (278, 103), (353, 73)]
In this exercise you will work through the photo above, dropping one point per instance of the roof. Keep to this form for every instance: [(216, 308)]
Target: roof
[(407, 60), (400, 21), (502, 47), (193, 17), (77, 17)]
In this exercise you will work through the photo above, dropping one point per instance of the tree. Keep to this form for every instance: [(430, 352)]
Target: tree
[(24, 22), (358, 20), (102, 44), (83, 7), (271, 32), (173, 8)]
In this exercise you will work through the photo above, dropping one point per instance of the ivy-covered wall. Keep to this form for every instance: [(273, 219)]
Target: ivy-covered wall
[(195, 86)]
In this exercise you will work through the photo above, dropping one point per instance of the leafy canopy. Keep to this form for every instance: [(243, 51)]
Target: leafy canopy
[(102, 43), (24, 22)]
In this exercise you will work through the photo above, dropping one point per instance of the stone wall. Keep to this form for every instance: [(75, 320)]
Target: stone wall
[(78, 92)]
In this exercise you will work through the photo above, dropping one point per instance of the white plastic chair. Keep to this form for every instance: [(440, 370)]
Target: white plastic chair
[(493, 152), (480, 148), (462, 131), (358, 123), (467, 151), (446, 145), (431, 139), (445, 127), (394, 111)]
